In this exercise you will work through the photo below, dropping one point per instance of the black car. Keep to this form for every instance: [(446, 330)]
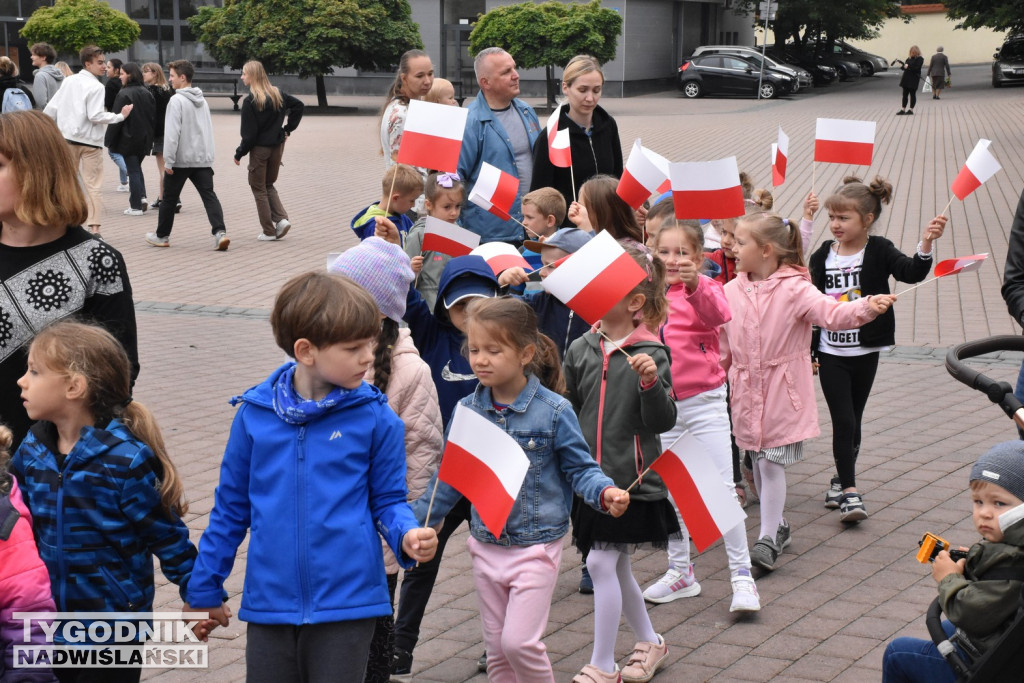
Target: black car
[(1009, 64), (714, 74), (822, 74)]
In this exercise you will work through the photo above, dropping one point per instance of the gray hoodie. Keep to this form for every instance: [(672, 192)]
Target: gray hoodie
[(188, 130), (47, 80)]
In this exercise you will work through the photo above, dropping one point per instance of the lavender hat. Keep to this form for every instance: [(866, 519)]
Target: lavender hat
[(382, 269)]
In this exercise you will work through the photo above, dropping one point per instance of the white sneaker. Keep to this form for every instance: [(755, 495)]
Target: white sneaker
[(672, 586), (221, 241), (264, 237), (744, 593), (133, 212), (123, 188), (282, 227)]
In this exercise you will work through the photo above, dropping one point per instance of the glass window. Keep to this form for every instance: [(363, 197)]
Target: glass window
[(146, 49), (733, 63), (30, 6), (9, 8), (194, 51), (138, 9)]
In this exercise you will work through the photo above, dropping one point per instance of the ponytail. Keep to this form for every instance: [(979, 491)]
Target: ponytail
[(383, 354), (547, 364)]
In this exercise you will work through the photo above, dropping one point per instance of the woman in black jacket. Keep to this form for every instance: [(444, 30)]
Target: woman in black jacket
[(132, 138), (593, 134), (156, 83), (263, 134), (911, 79)]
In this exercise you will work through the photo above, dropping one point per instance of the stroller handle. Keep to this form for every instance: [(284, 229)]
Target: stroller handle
[(997, 392), (933, 622)]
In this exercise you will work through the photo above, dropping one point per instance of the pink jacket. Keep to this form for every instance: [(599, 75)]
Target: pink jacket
[(691, 335), (766, 351), (411, 394)]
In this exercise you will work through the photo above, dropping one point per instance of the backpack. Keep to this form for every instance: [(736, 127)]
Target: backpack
[(15, 99)]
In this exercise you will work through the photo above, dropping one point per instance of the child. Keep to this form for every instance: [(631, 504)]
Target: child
[(853, 265), (598, 208), (697, 308), (623, 405), (24, 581), (543, 212), (443, 197), (442, 92), (765, 351), (120, 500), (556, 320), (315, 461), (753, 199), (663, 211), (401, 187), (520, 391), (980, 595), (383, 270)]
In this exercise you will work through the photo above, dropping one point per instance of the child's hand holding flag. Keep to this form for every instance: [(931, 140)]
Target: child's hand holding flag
[(420, 544), (615, 501)]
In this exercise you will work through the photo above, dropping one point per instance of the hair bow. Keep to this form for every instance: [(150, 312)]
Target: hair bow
[(445, 179)]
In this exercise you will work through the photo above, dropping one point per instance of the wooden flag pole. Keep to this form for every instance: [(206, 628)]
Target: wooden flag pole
[(915, 286), (524, 227), (948, 204), (637, 481), (387, 207), (572, 181), (814, 175), (612, 342), (430, 505)]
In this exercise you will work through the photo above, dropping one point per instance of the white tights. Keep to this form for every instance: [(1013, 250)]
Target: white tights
[(770, 480), (616, 592)]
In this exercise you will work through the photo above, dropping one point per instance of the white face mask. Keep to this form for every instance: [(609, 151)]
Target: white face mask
[(1011, 517)]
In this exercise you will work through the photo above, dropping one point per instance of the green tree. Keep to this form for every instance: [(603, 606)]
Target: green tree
[(70, 25), (801, 20), (308, 37), (549, 34), (1004, 15)]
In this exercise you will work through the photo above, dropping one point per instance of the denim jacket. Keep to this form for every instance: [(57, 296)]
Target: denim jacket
[(545, 426)]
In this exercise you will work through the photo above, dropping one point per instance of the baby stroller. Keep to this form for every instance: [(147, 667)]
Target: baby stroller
[(1005, 660)]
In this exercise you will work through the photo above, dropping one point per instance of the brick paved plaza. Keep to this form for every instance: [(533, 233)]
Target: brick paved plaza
[(838, 593)]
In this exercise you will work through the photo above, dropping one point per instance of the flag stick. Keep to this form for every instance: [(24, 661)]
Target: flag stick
[(572, 180), (612, 342), (814, 175), (948, 204), (524, 227), (387, 207), (640, 477), (915, 286), (430, 505)]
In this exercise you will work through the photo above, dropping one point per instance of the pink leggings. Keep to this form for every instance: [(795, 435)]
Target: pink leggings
[(514, 586)]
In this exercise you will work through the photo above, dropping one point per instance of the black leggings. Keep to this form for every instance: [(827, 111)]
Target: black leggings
[(846, 382), (912, 94)]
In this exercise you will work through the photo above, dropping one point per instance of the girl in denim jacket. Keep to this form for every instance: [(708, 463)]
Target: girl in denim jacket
[(515, 574)]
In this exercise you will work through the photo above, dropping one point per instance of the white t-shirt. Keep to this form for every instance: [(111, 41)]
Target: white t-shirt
[(842, 282)]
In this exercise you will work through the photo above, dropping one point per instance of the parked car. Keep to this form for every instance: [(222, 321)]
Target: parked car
[(821, 74), (1009, 64), (870, 64), (712, 74), (803, 77)]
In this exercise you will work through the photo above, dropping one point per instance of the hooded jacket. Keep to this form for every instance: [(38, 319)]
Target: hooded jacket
[(99, 519), (440, 342), (766, 352), (691, 333), (133, 136), (78, 109), (621, 420), (598, 152), (46, 83), (313, 497), (188, 130)]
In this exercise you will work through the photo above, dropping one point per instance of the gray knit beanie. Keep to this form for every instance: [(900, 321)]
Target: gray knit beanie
[(1003, 466), (382, 269)]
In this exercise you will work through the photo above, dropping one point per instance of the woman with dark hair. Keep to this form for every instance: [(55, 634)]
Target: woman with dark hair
[(132, 138), (910, 80), (412, 82)]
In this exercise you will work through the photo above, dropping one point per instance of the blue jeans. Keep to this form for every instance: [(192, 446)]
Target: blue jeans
[(136, 181), (912, 660), (122, 170)]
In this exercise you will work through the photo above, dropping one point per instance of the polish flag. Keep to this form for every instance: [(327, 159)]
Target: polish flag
[(780, 154), (501, 256), (495, 191), (662, 163), (842, 141), (483, 463), (704, 499), (448, 238), (707, 189), (432, 136), (980, 166), (595, 278), (955, 266), (558, 142), (640, 179)]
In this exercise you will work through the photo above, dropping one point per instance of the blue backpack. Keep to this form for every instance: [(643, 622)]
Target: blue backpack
[(15, 99)]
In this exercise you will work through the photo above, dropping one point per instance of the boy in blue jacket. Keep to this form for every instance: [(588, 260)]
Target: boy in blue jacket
[(314, 468), (401, 186)]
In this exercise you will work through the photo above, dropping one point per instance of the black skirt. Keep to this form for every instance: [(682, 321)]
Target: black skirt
[(645, 524)]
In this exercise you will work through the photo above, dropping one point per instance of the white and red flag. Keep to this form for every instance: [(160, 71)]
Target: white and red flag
[(432, 136), (641, 177), (955, 266), (780, 156), (501, 256), (843, 141), (704, 498), (495, 191), (483, 463), (558, 142), (595, 278), (980, 166), (707, 189), (448, 238)]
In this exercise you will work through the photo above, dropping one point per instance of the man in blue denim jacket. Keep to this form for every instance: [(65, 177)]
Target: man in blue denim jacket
[(500, 130)]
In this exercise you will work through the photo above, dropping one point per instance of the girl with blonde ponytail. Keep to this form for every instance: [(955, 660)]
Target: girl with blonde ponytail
[(119, 497)]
